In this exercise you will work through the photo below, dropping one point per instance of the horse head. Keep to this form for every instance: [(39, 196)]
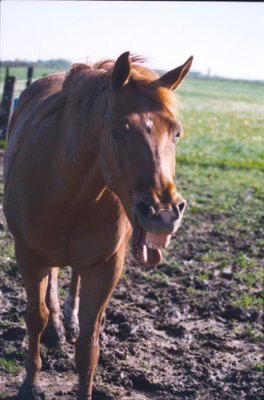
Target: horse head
[(138, 153)]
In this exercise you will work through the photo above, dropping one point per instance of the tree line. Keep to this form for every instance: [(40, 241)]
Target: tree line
[(60, 62)]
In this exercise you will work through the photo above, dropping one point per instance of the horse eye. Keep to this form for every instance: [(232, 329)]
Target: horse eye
[(149, 126), (118, 136)]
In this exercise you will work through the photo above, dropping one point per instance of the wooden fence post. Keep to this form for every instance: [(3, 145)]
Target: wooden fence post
[(6, 104), (29, 75)]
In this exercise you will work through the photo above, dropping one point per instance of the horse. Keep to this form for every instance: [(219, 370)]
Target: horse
[(90, 162)]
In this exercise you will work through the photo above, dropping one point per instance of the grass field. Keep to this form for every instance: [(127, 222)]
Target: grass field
[(220, 170), (224, 123)]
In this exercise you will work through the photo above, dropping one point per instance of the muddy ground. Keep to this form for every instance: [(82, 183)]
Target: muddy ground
[(170, 332)]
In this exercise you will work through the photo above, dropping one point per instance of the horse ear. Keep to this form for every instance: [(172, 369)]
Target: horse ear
[(173, 78), (121, 71)]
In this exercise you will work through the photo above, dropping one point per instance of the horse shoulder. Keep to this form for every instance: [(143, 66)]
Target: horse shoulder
[(107, 228)]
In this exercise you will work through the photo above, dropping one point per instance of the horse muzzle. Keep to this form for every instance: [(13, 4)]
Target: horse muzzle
[(153, 228)]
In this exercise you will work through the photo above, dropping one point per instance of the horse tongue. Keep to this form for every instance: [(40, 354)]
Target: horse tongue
[(154, 257), (151, 244), (150, 256), (155, 242)]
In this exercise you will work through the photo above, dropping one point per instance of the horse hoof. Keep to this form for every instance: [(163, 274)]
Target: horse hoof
[(31, 392), (53, 336)]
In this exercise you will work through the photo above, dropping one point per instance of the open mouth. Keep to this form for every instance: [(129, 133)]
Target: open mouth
[(147, 246)]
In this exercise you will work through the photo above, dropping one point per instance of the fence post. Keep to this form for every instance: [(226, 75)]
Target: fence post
[(6, 104), (29, 75)]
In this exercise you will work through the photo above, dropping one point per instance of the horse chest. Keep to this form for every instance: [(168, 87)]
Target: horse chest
[(88, 243)]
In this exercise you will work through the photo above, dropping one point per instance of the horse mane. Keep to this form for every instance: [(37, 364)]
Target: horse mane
[(85, 82)]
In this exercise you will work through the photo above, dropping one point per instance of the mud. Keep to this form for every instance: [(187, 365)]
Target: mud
[(169, 332)]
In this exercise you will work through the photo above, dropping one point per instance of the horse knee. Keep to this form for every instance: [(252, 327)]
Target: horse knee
[(36, 317)]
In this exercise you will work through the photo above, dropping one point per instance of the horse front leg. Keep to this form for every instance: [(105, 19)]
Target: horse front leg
[(97, 285), (54, 334), (34, 272), (71, 309)]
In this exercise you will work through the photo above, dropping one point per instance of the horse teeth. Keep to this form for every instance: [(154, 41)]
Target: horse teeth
[(152, 245)]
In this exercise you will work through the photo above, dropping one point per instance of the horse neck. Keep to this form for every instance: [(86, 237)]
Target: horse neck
[(80, 150)]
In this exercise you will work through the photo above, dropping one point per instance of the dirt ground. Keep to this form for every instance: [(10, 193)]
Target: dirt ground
[(169, 332)]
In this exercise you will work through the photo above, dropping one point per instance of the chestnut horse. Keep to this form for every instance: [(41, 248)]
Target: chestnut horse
[(90, 159)]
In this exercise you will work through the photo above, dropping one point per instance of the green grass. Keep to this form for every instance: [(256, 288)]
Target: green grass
[(156, 277), (2, 144), (7, 251), (259, 366), (9, 366), (220, 165), (21, 72), (223, 123), (226, 204)]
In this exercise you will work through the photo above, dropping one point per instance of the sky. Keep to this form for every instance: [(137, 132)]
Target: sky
[(225, 38)]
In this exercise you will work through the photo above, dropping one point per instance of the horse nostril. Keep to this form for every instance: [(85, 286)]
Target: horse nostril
[(175, 212), (179, 209), (182, 206)]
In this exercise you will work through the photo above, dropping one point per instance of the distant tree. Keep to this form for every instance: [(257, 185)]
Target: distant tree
[(60, 62)]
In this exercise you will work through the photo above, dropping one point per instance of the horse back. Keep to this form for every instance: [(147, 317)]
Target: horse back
[(29, 103)]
